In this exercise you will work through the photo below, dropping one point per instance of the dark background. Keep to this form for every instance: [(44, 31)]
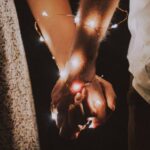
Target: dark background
[(112, 63)]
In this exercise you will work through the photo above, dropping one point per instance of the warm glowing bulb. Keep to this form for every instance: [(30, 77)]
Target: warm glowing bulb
[(53, 58), (44, 13), (54, 115), (41, 39), (77, 18), (114, 26), (76, 87), (63, 74)]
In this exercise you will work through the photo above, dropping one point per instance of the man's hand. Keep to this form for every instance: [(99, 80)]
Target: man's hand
[(101, 98)]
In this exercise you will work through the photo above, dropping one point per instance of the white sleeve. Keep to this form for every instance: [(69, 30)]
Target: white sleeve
[(139, 48)]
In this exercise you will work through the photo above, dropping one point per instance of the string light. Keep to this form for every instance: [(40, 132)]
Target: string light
[(76, 87), (76, 62), (77, 19), (91, 23), (44, 13), (53, 57), (114, 26), (95, 103), (102, 76), (41, 39), (92, 20), (54, 115)]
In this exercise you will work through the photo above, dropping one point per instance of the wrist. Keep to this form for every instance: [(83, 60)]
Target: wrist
[(80, 66), (78, 69)]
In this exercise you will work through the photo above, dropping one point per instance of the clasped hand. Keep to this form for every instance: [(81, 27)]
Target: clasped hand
[(87, 108)]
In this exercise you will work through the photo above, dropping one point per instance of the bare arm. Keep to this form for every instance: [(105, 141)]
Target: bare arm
[(58, 30), (92, 24), (94, 18)]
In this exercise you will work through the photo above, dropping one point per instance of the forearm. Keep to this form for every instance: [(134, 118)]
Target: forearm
[(94, 17), (57, 30)]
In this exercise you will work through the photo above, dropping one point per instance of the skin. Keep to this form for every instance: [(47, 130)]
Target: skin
[(60, 32)]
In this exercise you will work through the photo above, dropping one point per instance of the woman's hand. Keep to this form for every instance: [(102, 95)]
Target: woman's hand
[(66, 113), (87, 108)]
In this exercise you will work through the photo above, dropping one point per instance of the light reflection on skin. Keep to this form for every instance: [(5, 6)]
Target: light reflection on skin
[(63, 74), (74, 66), (95, 103), (76, 62), (92, 22), (114, 26)]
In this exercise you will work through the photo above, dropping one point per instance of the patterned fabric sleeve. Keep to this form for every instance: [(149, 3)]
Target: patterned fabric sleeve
[(18, 128)]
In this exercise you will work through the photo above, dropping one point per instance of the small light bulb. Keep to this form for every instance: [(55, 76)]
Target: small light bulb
[(95, 103), (44, 13), (76, 87), (114, 26), (77, 18), (41, 39), (53, 57), (54, 115)]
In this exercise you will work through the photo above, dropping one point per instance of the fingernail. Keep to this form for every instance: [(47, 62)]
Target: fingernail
[(78, 96), (84, 92), (113, 107)]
